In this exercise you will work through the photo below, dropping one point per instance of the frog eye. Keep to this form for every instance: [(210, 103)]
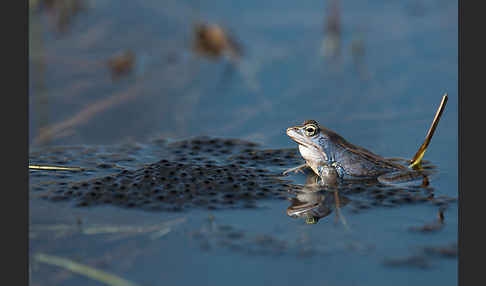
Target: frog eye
[(310, 130)]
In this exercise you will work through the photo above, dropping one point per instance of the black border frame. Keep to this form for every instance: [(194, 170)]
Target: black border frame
[(471, 194), (14, 118)]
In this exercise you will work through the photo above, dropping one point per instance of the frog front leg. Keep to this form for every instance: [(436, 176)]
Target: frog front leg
[(296, 169), (328, 174)]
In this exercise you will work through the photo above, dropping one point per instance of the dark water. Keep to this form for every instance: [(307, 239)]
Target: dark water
[(381, 96)]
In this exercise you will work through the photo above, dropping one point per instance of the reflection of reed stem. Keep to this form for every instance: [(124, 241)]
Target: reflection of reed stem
[(338, 211)]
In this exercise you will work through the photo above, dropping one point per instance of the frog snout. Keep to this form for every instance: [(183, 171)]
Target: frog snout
[(291, 130)]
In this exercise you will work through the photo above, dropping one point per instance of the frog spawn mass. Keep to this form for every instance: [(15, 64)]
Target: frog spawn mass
[(203, 172)]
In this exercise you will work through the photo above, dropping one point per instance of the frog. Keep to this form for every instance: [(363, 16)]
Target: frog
[(329, 155)]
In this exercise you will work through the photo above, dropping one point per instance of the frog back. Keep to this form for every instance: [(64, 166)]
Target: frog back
[(357, 161)]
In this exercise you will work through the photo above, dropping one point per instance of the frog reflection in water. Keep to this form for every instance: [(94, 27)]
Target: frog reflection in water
[(316, 201), (325, 151)]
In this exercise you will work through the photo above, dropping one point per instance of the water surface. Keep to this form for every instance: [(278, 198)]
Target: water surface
[(382, 95)]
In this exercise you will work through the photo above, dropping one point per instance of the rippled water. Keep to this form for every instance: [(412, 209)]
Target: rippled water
[(396, 60)]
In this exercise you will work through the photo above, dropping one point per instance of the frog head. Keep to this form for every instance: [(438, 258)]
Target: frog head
[(313, 143)]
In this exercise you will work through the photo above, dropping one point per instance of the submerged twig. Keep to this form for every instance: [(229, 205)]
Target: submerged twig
[(157, 231), (415, 162), (53, 131), (85, 270)]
